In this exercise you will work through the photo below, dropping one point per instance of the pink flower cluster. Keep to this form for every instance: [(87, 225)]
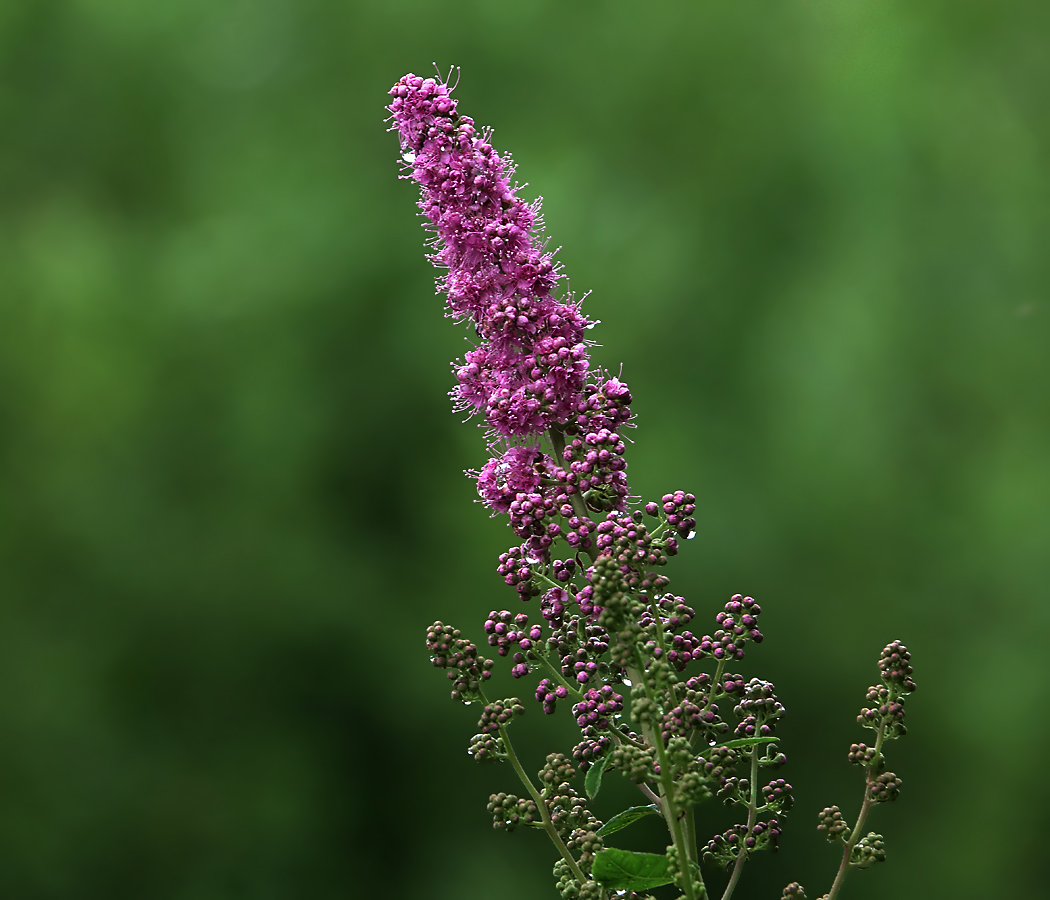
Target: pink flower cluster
[(530, 366), (529, 375)]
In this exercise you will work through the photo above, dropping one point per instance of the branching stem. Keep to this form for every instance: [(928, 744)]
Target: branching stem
[(548, 824), (752, 813), (550, 581), (619, 738), (558, 676), (865, 807), (652, 795), (714, 684), (668, 806), (690, 834), (661, 641)]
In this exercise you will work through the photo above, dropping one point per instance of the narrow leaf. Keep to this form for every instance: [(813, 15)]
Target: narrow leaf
[(622, 870), (593, 781), (748, 742), (625, 818)]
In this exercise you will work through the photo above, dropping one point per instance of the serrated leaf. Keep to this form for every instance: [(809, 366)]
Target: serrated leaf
[(593, 782), (623, 819), (622, 870), (748, 742)]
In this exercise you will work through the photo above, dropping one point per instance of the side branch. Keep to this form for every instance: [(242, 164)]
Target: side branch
[(548, 824)]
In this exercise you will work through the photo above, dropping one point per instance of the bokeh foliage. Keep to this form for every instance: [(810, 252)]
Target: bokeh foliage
[(230, 490)]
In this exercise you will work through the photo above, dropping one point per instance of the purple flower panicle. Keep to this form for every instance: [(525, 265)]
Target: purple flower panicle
[(532, 362), (529, 375)]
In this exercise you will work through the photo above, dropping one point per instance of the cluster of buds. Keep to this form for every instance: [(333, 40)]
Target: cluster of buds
[(597, 707), (777, 796), (591, 749), (509, 811), (549, 694), (886, 713), (832, 824), (739, 624), (487, 748), (637, 763), (499, 713), (724, 849), (758, 711), (466, 670), (558, 770), (884, 788), (679, 508), (869, 850), (862, 755), (506, 630)]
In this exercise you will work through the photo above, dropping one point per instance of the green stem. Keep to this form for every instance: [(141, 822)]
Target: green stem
[(558, 676), (714, 684), (661, 641), (710, 701), (690, 834), (752, 813), (548, 824), (652, 795), (550, 581), (865, 807), (619, 739), (658, 531), (668, 806)]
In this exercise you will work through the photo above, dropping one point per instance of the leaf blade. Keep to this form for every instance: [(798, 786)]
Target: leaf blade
[(593, 782), (622, 819), (622, 870)]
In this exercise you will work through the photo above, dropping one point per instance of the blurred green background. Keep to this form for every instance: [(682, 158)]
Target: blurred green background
[(230, 481)]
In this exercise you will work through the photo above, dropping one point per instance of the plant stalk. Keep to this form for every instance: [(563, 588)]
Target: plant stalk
[(865, 807), (752, 814), (668, 806), (548, 824)]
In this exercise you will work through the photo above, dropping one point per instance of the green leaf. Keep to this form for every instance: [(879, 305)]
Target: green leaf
[(625, 818), (748, 742), (593, 781), (622, 870)]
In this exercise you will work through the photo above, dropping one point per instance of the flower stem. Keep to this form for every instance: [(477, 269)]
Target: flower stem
[(690, 834), (550, 581), (652, 795), (714, 684), (548, 824), (661, 641), (668, 806), (752, 812), (619, 739), (558, 676), (865, 807)]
